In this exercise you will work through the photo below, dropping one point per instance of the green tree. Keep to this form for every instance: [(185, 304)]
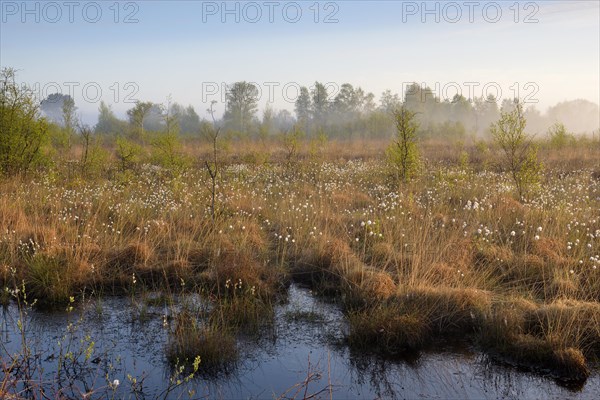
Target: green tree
[(137, 116), (303, 107), (346, 101), (108, 123), (93, 157), (403, 153), (519, 152), (170, 119), (266, 126), (283, 120), (23, 133), (462, 111), (241, 105), (128, 153), (559, 136), (320, 104), (189, 120)]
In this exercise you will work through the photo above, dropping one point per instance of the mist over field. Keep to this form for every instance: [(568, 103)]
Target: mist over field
[(299, 200), (543, 52)]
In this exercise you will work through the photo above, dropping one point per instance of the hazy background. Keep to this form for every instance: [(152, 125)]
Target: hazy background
[(178, 48)]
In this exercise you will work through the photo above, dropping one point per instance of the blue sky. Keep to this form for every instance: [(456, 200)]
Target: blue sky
[(186, 50)]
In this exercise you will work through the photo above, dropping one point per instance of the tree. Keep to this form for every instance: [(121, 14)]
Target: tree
[(559, 136), (508, 105), (303, 107), (403, 153), (212, 133), (241, 105), (93, 157), (170, 119), (389, 102), (519, 153), (462, 111), (60, 109), (154, 121), (69, 118), (52, 107), (266, 126), (320, 104), (283, 120), (23, 132), (366, 101), (189, 120), (137, 116), (417, 99), (346, 101), (423, 102), (108, 123), (486, 112)]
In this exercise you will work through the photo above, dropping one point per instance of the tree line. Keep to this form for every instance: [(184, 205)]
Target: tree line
[(351, 113), (27, 126)]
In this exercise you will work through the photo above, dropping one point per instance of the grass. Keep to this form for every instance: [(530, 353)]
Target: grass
[(49, 279), (452, 255), (191, 338)]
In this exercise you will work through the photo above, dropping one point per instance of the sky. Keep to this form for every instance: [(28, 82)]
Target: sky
[(544, 52)]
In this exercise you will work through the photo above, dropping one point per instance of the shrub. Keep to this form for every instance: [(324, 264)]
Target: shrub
[(167, 152), (23, 133), (559, 137), (128, 153), (403, 154), (520, 155)]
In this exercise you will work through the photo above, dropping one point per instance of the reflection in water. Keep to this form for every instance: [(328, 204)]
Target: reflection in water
[(307, 331)]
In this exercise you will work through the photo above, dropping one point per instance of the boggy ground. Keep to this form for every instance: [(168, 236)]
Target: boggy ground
[(450, 256)]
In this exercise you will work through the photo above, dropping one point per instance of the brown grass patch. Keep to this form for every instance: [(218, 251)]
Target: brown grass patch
[(550, 250), (568, 322), (241, 268), (354, 200), (449, 311), (383, 256), (134, 257), (370, 284), (565, 363), (508, 205), (386, 329)]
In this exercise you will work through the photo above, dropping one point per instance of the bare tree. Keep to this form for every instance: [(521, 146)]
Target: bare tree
[(212, 132)]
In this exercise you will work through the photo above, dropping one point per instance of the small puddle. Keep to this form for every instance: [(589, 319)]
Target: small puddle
[(306, 340)]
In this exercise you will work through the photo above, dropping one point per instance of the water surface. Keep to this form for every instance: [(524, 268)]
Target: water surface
[(306, 340)]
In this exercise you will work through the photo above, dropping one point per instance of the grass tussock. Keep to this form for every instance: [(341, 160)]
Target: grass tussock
[(566, 363), (560, 337), (50, 280), (214, 344), (387, 329), (421, 316)]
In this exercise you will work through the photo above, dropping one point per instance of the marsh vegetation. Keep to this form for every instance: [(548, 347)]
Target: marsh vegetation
[(491, 244)]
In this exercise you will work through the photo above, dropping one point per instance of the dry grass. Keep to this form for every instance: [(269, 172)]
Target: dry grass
[(451, 255)]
